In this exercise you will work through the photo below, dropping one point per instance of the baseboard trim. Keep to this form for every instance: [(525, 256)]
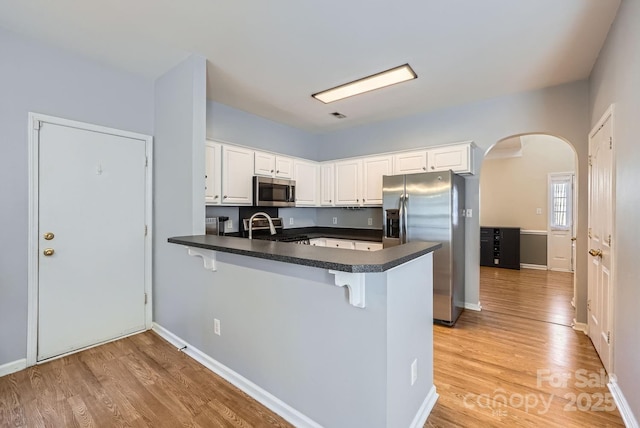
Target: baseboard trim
[(425, 409), (580, 326), (628, 417), (263, 397), (473, 306), (12, 367), (532, 266)]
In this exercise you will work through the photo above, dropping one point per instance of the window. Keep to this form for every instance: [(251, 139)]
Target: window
[(560, 208)]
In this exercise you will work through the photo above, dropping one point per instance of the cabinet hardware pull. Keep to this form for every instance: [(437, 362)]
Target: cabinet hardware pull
[(48, 252)]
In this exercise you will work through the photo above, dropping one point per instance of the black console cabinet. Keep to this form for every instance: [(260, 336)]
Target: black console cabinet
[(500, 247)]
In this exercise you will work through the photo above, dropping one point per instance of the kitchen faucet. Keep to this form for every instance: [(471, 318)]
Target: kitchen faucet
[(272, 229)]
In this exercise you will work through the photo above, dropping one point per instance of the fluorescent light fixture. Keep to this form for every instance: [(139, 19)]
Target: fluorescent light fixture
[(366, 84)]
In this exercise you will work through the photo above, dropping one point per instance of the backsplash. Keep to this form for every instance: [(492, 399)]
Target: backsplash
[(313, 216)]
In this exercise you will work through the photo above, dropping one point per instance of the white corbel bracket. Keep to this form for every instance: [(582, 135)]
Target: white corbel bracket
[(354, 282), (208, 257)]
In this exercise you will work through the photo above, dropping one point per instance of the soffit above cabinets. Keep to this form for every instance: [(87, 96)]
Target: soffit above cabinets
[(267, 58)]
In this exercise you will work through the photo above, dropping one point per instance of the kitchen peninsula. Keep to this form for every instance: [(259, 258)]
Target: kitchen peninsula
[(359, 354)]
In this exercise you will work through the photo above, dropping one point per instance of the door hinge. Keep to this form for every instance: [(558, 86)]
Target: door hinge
[(608, 337), (609, 240), (589, 304), (590, 160), (145, 298), (36, 125), (610, 143), (590, 236), (146, 161), (146, 230)]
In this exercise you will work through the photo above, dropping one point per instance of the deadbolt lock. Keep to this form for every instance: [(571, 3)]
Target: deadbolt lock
[(48, 252), (49, 236)]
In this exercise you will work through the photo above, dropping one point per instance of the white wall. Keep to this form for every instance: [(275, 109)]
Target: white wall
[(561, 111), (512, 189), (38, 78), (616, 79)]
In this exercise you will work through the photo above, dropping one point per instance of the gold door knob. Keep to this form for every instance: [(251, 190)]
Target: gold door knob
[(49, 236), (595, 253), (48, 252)]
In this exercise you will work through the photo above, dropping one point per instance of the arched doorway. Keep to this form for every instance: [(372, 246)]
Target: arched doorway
[(527, 212)]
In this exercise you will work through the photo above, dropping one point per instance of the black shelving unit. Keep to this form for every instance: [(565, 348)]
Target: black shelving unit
[(500, 247)]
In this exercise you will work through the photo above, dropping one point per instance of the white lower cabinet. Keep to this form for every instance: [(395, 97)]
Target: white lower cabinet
[(318, 242), (367, 246), (340, 243), (349, 244)]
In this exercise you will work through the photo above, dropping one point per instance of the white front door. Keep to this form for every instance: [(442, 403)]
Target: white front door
[(599, 303), (91, 238), (560, 234)]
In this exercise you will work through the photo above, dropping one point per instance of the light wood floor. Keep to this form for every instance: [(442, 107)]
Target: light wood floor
[(488, 358), (519, 349)]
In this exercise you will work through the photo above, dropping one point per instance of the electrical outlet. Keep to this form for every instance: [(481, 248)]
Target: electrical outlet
[(228, 224), (290, 220), (539, 211), (216, 326), (469, 212), (414, 371), (335, 220), (369, 221)]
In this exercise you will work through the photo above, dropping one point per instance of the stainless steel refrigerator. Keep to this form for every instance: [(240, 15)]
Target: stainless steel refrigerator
[(428, 207)]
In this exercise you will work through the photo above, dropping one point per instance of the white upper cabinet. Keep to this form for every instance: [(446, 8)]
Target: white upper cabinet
[(213, 172), (284, 167), (237, 175), (272, 165), (264, 164), (373, 169), (327, 184), (348, 182), (306, 175), (458, 158), (410, 162)]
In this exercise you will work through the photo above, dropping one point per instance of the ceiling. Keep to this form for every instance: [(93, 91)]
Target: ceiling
[(268, 57)]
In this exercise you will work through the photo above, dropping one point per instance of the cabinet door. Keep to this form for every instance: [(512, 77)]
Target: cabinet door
[(368, 246), (318, 242), (264, 164), (213, 172), (410, 162), (455, 158), (306, 176), (372, 171), (348, 182), (327, 187), (284, 167), (237, 173), (340, 243)]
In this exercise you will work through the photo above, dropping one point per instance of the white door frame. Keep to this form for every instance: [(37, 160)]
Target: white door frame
[(608, 115), (550, 177), (32, 294)]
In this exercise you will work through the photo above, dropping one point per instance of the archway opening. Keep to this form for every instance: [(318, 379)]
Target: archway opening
[(528, 219)]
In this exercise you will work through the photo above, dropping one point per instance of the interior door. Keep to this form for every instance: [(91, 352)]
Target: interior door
[(560, 234), (91, 223), (600, 232)]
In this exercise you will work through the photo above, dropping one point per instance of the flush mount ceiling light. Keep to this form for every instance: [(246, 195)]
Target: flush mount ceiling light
[(366, 84)]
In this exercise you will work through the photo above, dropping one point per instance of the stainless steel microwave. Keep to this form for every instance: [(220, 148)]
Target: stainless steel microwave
[(273, 192)]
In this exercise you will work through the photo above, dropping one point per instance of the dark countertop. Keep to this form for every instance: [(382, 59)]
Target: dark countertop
[(321, 257)]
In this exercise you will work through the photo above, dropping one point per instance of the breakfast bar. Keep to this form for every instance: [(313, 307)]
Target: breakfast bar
[(361, 355)]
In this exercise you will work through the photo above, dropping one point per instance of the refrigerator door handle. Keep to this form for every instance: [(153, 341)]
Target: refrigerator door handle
[(405, 218)]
